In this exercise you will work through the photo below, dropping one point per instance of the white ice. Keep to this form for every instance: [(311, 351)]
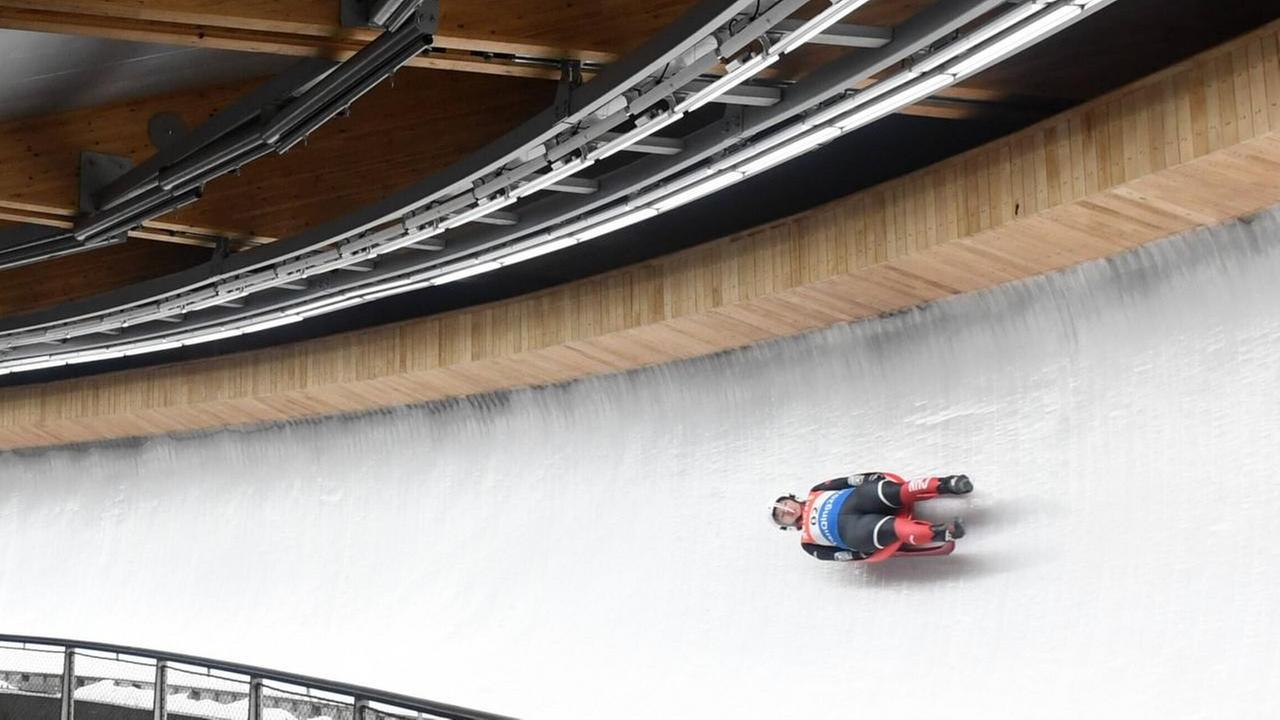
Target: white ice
[(602, 549)]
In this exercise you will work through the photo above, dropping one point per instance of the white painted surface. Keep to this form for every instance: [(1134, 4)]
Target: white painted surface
[(602, 550)]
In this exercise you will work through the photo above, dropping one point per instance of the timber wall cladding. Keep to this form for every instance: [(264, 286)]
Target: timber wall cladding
[(1197, 143)]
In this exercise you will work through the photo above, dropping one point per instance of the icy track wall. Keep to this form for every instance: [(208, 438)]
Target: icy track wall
[(602, 549)]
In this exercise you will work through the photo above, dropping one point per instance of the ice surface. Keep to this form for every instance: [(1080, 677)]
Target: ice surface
[(602, 549)]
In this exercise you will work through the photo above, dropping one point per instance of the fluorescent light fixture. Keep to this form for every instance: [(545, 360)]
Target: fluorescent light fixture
[(551, 178), (633, 136), (210, 337), (718, 181), (268, 324), (862, 97), (537, 250), (95, 357), (409, 239), (1014, 41), (726, 82), (816, 25), (478, 211), (403, 287), (322, 303), (56, 362), (617, 223), (893, 101), (760, 145), (785, 152), (330, 307), (153, 347), (979, 36), (466, 272)]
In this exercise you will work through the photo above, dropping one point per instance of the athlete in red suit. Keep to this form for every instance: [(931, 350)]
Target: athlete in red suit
[(868, 516)]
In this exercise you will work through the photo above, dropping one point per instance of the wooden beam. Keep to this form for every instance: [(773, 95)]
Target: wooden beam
[(54, 281), (1198, 143), (397, 134), (470, 35)]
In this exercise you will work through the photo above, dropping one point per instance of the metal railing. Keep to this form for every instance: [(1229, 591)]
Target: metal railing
[(161, 684)]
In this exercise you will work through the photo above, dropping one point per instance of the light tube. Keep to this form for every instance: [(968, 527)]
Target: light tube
[(328, 308), (617, 223), (551, 178), (979, 36), (55, 362), (719, 181), (465, 272), (862, 97), (727, 82), (106, 355), (210, 337), (268, 324), (816, 25), (799, 146), (478, 211), (407, 240), (763, 144), (633, 136), (404, 287), (153, 347), (317, 304), (891, 102), (537, 250), (1018, 39)]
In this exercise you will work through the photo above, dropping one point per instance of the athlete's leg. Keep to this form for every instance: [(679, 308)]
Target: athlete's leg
[(881, 496), (869, 532), (931, 487)]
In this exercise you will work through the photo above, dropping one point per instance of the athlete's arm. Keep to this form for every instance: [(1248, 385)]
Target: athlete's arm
[(845, 483)]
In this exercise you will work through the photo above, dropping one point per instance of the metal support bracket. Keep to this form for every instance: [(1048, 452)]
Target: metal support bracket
[(165, 130), (570, 78), (97, 171), (388, 14)]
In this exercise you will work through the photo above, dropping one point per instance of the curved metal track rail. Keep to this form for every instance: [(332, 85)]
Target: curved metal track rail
[(364, 702), (622, 109)]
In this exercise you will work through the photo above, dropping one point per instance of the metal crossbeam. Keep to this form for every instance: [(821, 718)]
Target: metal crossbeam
[(753, 95), (842, 35), (652, 145), (577, 186)]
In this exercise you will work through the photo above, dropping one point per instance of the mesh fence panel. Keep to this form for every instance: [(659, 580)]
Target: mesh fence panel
[(110, 684), (31, 670), (116, 680), (294, 702), (193, 692)]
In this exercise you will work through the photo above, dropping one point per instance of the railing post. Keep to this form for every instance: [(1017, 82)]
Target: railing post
[(162, 694), (255, 699), (357, 711), (68, 684)]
